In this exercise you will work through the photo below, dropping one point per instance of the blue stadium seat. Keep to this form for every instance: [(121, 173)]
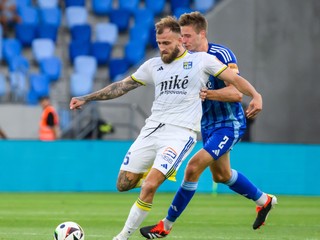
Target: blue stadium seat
[(47, 31), (11, 47), (181, 10), (139, 33), (26, 33), (101, 51), (77, 48), (152, 38), (179, 4), (204, 6), (71, 3), (4, 90), (102, 28), (117, 67), (144, 17), (39, 84), (18, 86), (42, 48), (50, 16), (29, 15), (1, 42), (134, 52), (47, 3), (76, 15), (51, 67), (86, 65), (81, 33), (101, 7), (80, 84), (23, 3), (120, 17), (157, 7), (131, 5), (19, 64)]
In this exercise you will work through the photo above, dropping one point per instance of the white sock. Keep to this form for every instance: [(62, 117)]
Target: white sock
[(262, 200), (167, 224), (137, 214)]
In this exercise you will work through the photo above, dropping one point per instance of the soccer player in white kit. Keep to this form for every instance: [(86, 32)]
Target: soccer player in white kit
[(170, 132)]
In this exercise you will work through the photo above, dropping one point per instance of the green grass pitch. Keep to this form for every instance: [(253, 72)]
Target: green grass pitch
[(34, 216)]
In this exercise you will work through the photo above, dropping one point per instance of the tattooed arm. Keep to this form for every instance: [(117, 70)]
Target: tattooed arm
[(111, 91)]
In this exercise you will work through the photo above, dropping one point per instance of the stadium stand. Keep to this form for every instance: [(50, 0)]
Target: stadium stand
[(76, 29), (51, 67), (4, 90), (81, 32), (101, 8), (11, 48), (80, 84), (101, 51), (50, 16), (106, 27), (76, 15), (42, 48)]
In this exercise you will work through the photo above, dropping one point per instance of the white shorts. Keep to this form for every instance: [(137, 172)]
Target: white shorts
[(161, 146)]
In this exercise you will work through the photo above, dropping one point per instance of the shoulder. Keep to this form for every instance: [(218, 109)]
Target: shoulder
[(223, 53)]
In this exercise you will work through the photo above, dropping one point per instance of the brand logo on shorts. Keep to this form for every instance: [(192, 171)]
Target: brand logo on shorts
[(165, 166), (216, 152)]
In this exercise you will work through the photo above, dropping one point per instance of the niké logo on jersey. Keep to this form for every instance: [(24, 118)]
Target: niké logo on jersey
[(175, 83)]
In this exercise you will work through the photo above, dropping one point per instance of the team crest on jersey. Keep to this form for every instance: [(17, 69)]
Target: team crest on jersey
[(187, 65)]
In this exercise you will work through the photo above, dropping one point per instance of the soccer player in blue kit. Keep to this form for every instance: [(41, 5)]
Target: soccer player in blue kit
[(222, 126)]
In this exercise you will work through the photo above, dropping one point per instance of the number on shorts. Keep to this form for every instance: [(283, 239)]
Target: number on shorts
[(126, 159), (222, 143)]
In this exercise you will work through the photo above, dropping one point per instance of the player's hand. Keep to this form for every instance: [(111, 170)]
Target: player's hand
[(76, 103), (255, 106), (203, 93)]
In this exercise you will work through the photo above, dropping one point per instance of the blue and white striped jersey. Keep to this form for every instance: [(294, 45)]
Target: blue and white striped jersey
[(222, 114)]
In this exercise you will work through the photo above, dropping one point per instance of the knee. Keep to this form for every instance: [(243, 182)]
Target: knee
[(149, 187), (191, 173), (121, 187), (221, 177), (127, 181)]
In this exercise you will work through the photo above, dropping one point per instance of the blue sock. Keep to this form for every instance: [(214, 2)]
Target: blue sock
[(242, 185), (181, 199)]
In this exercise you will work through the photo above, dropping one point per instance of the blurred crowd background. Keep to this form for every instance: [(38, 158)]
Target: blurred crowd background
[(68, 48)]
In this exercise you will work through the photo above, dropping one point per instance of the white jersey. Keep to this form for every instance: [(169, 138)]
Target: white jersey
[(177, 87)]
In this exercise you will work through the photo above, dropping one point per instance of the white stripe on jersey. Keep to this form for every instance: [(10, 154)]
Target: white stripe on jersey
[(223, 52)]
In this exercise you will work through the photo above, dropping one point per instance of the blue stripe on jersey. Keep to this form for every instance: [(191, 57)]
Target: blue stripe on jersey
[(186, 148), (221, 114)]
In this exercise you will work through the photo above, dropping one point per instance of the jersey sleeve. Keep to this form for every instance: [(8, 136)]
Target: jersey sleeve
[(226, 56), (213, 65), (143, 74)]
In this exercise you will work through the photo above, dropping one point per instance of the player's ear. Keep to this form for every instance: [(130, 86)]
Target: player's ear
[(203, 34)]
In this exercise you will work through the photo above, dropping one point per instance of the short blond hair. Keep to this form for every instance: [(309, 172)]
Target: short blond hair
[(170, 23), (196, 19)]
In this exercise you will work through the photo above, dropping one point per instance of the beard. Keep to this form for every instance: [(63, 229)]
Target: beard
[(170, 57)]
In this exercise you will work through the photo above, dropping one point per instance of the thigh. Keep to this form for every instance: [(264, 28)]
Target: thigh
[(174, 145), (142, 152)]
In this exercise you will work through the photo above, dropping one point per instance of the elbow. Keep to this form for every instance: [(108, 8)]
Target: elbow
[(236, 96), (239, 97)]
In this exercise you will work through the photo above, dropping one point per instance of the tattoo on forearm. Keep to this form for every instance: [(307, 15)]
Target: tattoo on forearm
[(113, 90)]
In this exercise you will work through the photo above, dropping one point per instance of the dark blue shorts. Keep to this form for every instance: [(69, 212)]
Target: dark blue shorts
[(220, 140)]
